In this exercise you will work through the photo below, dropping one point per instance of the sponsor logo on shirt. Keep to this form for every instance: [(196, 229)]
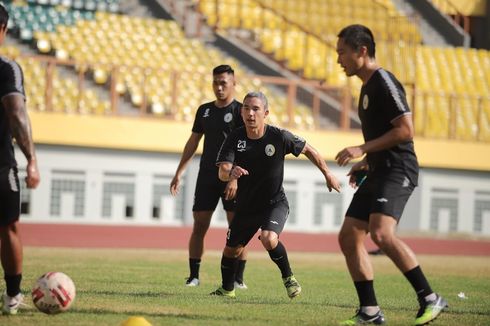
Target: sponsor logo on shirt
[(228, 117), (365, 102), (206, 113), (241, 146), (382, 200), (270, 150)]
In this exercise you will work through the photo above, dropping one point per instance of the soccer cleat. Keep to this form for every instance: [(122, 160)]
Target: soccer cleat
[(430, 310), (224, 293), (11, 304), (361, 318), (240, 285), (192, 282), (292, 286)]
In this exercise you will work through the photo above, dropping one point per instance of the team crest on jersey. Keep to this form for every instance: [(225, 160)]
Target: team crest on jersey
[(241, 146), (365, 102), (270, 150), (206, 113), (228, 117)]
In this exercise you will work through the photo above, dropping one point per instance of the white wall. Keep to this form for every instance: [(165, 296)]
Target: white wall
[(75, 182)]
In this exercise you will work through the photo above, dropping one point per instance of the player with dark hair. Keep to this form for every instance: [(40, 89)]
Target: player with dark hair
[(254, 155), (215, 120), (14, 123), (392, 174)]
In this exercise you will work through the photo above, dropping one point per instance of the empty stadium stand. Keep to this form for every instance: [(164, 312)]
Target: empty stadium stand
[(152, 65), (146, 57), (448, 88)]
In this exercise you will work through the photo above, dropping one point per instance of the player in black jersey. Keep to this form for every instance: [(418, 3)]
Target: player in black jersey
[(215, 120), (14, 123), (392, 173), (254, 155)]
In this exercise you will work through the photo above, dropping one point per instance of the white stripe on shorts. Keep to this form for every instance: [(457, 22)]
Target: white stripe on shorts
[(12, 181)]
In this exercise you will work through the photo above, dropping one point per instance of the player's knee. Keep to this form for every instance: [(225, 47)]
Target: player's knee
[(269, 241), (9, 230), (380, 238), (347, 242), (200, 229), (232, 252)]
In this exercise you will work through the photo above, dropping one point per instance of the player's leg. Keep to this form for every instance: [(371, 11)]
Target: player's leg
[(11, 256), (273, 223), (11, 251), (382, 227), (242, 259), (229, 264), (278, 254), (202, 220), (351, 240), (206, 196), (240, 231)]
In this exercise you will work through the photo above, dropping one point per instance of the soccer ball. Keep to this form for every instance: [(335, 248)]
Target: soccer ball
[(54, 292)]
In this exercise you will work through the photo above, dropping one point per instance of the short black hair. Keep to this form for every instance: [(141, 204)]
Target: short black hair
[(221, 69), (4, 15), (358, 35)]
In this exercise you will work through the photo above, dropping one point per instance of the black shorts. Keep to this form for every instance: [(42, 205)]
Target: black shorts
[(9, 196), (244, 226), (209, 189), (386, 193)]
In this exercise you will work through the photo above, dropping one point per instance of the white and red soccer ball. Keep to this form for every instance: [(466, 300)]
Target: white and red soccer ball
[(54, 292)]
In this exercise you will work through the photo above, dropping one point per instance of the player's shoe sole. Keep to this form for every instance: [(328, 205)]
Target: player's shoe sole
[(361, 318)]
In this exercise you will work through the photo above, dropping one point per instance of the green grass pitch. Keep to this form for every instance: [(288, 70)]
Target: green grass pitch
[(115, 284)]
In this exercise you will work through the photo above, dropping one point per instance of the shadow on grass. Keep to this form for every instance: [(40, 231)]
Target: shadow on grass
[(146, 294), (149, 316)]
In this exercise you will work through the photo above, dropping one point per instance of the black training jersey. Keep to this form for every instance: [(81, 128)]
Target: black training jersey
[(11, 82), (264, 160), (383, 100), (216, 124)]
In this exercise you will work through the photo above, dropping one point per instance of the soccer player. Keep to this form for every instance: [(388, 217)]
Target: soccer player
[(390, 160), (254, 155), (14, 123), (215, 120)]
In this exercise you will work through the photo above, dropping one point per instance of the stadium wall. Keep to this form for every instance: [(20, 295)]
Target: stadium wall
[(117, 171)]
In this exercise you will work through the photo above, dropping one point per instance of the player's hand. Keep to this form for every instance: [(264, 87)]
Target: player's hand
[(344, 156), (332, 182), (231, 189), (359, 166), (237, 171), (33, 177), (175, 185)]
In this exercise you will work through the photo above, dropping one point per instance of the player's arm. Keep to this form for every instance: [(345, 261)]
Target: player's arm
[(20, 127), (189, 151), (312, 154), (228, 171), (401, 132)]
